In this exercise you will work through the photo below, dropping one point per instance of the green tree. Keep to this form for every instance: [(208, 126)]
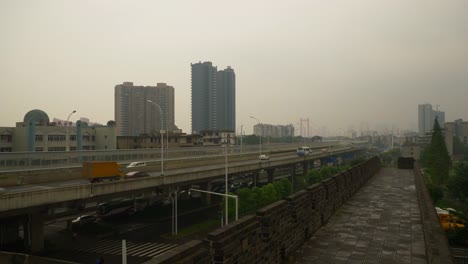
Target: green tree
[(435, 157), (458, 181), (283, 187), (270, 194)]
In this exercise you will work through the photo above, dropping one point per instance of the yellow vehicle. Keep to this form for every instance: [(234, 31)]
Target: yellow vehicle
[(448, 220), (97, 171)]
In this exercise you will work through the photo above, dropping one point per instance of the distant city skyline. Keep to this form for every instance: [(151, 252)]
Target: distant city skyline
[(338, 63)]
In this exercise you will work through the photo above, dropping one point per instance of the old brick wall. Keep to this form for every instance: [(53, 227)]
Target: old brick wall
[(437, 249), (279, 229)]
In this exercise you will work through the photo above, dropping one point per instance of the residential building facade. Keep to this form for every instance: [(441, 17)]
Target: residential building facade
[(213, 98), (37, 133), (226, 99), (426, 117), (456, 129), (266, 130), (137, 109)]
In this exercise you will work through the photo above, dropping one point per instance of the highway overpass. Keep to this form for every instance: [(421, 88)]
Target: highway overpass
[(30, 205)]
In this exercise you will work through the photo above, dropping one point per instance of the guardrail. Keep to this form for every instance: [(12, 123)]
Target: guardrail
[(37, 160)]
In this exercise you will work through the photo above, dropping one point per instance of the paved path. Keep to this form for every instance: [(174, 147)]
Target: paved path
[(379, 224)]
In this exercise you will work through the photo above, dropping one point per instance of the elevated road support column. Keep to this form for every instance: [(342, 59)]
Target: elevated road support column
[(206, 196), (34, 232), (9, 231), (293, 175), (271, 175), (305, 168)]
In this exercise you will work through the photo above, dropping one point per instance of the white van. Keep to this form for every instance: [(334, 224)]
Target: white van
[(136, 164), (303, 151)]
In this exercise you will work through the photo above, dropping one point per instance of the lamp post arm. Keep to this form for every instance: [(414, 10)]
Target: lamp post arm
[(215, 193)]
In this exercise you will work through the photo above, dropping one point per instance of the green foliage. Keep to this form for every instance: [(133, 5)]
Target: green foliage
[(283, 188), (458, 180), (390, 158), (255, 198), (436, 158), (314, 176), (458, 236), (355, 162), (436, 192)]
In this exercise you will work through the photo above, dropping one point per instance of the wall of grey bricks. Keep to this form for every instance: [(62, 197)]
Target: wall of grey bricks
[(277, 230), (437, 249)]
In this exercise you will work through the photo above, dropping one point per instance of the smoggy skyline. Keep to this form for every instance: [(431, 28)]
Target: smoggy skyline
[(339, 63)]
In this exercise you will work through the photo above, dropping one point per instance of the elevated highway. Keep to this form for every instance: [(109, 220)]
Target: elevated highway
[(54, 193), (29, 205)]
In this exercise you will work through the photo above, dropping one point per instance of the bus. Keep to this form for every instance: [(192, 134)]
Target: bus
[(303, 151)]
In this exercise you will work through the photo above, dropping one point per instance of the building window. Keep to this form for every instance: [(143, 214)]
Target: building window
[(86, 138), (93, 138), (39, 149), (39, 138), (56, 138), (5, 150), (72, 137), (6, 138), (54, 149)]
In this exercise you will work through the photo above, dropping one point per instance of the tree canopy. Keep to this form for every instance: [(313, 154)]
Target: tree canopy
[(435, 157)]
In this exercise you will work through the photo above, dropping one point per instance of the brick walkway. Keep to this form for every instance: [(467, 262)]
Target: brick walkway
[(379, 224)]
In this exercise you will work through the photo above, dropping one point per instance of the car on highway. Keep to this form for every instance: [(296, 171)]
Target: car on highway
[(84, 220), (136, 174), (136, 164), (263, 157)]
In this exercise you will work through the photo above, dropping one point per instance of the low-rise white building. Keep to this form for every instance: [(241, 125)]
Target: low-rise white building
[(37, 133)]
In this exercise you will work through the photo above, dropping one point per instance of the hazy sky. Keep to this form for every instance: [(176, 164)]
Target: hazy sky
[(338, 63)]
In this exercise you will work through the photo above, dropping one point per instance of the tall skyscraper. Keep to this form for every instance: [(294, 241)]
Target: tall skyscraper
[(213, 98), (134, 115), (226, 99), (426, 117)]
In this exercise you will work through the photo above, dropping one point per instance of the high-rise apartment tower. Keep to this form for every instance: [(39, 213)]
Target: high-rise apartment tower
[(426, 117), (213, 98), (226, 99), (134, 115)]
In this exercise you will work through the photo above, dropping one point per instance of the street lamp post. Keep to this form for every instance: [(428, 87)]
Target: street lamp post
[(67, 148), (162, 133), (176, 194), (225, 195), (258, 122), (241, 137), (226, 189)]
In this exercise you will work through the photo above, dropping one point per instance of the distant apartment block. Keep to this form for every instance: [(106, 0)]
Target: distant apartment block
[(426, 117), (213, 98), (135, 115), (266, 130), (458, 129), (226, 99), (37, 133)]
